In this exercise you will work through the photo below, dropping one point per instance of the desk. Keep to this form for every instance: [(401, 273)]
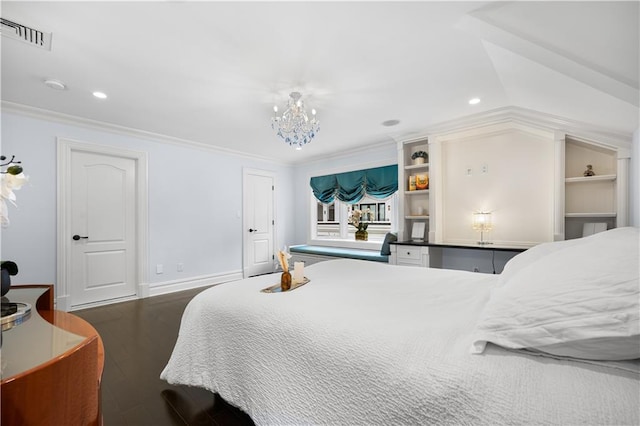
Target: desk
[(51, 365)]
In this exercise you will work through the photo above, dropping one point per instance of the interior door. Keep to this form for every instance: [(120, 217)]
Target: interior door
[(258, 222), (103, 227)]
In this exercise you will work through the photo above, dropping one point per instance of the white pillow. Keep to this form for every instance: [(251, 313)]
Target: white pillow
[(524, 259), (578, 299)]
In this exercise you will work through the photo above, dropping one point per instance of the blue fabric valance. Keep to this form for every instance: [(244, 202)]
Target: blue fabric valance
[(351, 187)]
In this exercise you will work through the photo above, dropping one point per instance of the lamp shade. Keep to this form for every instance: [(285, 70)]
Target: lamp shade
[(482, 221)]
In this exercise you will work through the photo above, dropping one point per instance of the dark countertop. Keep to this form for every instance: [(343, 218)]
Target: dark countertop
[(495, 247)]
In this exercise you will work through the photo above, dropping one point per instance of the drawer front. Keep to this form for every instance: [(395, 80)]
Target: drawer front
[(409, 263), (408, 253)]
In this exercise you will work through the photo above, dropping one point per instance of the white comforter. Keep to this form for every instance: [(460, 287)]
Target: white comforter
[(370, 343)]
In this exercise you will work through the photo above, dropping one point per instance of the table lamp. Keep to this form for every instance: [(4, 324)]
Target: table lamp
[(482, 223)]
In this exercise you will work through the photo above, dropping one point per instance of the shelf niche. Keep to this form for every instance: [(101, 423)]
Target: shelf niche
[(414, 205), (589, 198)]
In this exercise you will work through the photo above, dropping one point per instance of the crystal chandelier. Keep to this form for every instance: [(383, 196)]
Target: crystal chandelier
[(294, 126)]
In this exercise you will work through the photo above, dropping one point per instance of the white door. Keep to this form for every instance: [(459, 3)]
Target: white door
[(258, 222), (102, 228)]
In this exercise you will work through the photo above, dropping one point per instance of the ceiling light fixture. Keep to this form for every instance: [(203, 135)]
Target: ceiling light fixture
[(100, 95), (294, 126), (54, 84), (474, 101)]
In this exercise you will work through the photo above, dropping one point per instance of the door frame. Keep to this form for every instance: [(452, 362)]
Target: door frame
[(245, 236), (64, 149)]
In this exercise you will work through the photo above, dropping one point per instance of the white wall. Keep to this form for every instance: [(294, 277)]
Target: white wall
[(195, 196), (634, 185), (507, 170)]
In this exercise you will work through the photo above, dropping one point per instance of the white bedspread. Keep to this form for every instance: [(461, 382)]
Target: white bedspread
[(369, 343)]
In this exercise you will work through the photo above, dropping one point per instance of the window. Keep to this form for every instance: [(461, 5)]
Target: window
[(332, 219), (335, 196)]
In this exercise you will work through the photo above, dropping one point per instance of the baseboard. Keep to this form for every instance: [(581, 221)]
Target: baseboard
[(101, 303), (62, 303), (149, 290), (156, 289)]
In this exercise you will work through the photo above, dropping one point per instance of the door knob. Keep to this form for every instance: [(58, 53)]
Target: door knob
[(253, 230), (78, 237)]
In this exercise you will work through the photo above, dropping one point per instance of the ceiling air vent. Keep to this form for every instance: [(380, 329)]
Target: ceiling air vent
[(28, 35)]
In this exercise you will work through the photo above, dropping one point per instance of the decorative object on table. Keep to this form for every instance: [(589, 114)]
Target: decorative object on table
[(294, 126), (356, 219), (285, 278), (589, 171), (8, 268), (417, 231), (298, 272), (422, 181), (420, 157), (482, 223), (412, 183), (12, 179), (285, 281)]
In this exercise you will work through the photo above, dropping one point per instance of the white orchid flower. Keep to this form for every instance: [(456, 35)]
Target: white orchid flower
[(9, 184)]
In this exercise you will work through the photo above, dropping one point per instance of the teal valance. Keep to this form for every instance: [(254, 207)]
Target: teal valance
[(351, 187)]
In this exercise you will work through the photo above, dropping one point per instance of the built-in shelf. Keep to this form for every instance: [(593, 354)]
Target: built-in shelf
[(410, 203), (417, 166), (596, 198), (591, 178), (608, 214)]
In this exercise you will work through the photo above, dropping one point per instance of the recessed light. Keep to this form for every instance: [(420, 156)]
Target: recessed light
[(100, 95), (55, 84), (474, 101), (390, 123)]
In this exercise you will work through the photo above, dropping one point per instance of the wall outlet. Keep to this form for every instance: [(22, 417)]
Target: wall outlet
[(484, 169), (180, 267), (159, 269)]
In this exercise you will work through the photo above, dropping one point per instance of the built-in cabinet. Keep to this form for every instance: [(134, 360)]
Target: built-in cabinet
[(414, 200), (526, 168)]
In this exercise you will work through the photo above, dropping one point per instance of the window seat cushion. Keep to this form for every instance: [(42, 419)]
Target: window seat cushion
[(372, 255)]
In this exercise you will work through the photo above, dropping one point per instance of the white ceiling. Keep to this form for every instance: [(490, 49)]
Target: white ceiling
[(210, 72)]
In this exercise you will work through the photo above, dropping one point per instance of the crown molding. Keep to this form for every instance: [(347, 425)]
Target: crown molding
[(529, 117), (348, 152), (533, 118), (87, 123)]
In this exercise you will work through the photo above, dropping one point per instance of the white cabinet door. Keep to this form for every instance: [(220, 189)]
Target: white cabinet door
[(409, 255)]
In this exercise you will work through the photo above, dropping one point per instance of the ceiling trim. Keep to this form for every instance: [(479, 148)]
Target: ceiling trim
[(157, 137), (533, 118), (58, 117), (561, 62), (321, 158)]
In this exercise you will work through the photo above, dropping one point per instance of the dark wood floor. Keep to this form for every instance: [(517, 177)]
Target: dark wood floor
[(138, 337)]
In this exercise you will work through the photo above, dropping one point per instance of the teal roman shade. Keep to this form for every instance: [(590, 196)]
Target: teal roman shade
[(350, 187)]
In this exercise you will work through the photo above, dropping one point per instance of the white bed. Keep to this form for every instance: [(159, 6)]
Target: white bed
[(369, 343)]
